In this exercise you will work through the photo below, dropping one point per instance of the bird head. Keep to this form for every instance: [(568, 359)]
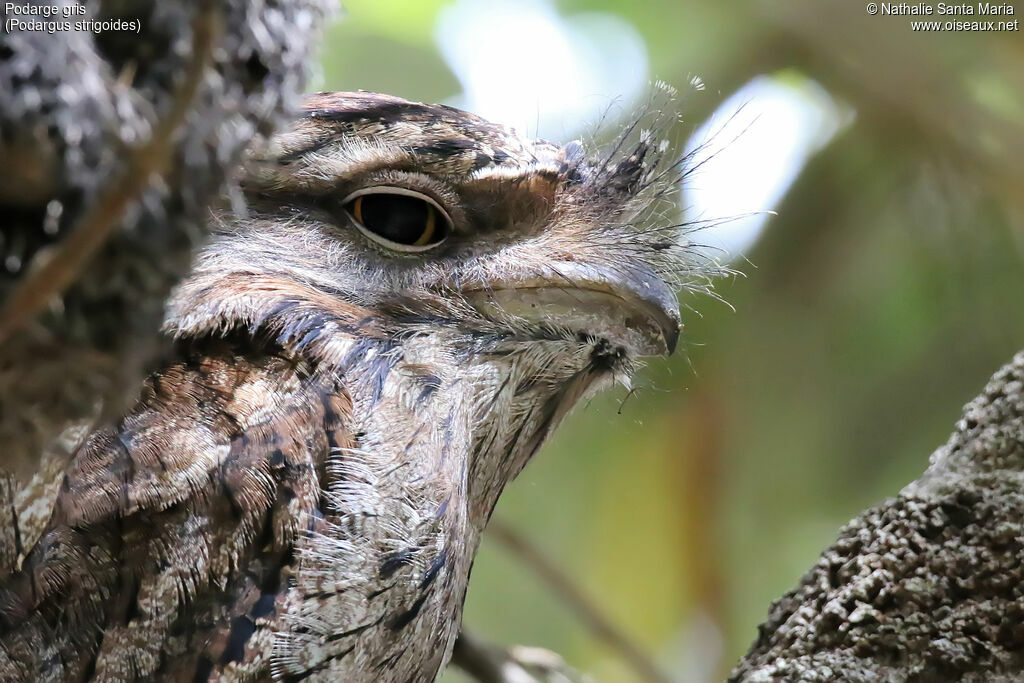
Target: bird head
[(418, 249)]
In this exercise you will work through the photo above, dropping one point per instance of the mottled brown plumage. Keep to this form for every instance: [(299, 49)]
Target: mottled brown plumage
[(300, 492)]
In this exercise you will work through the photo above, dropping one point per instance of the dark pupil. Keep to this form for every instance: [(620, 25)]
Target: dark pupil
[(395, 217)]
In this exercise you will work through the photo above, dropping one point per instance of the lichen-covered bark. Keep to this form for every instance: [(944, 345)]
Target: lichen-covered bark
[(74, 107), (928, 586)]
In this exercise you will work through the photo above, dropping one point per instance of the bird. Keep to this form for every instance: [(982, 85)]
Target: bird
[(370, 347)]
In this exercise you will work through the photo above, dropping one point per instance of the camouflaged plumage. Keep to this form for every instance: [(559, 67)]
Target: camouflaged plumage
[(300, 491)]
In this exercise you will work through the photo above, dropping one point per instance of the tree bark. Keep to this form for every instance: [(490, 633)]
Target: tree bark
[(928, 586), (114, 141)]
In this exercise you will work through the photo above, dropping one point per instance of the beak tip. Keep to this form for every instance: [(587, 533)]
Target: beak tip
[(672, 338)]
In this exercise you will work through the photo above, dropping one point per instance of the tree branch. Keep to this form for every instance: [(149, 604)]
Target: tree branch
[(110, 183), (565, 589), (487, 663), (928, 586), (62, 266)]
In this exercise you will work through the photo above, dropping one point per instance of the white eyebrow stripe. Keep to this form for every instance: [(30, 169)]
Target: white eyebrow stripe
[(518, 171)]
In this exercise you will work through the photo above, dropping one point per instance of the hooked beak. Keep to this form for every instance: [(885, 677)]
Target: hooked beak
[(631, 308)]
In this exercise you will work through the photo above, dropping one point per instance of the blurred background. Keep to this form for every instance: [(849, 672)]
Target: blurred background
[(873, 303)]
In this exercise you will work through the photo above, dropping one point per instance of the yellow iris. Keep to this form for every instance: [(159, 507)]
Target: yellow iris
[(428, 227), (429, 223)]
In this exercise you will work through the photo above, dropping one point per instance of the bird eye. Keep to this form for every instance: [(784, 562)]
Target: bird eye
[(400, 219)]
